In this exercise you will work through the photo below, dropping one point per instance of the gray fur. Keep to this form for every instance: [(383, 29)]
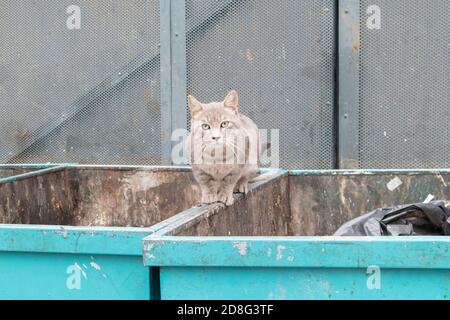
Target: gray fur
[(223, 147)]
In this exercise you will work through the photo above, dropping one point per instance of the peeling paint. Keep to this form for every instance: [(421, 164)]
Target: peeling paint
[(242, 247), (280, 250), (96, 266), (63, 232)]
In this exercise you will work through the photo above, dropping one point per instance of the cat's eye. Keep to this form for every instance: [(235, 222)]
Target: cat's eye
[(206, 126), (225, 124)]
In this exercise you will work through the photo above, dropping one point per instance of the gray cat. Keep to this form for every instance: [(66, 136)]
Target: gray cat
[(223, 147)]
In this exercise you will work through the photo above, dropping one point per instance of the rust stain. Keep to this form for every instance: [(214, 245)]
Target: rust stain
[(356, 38), (278, 201), (99, 197)]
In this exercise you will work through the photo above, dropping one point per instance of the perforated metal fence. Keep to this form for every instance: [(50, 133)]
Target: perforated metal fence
[(279, 56), (88, 95), (404, 82), (112, 91)]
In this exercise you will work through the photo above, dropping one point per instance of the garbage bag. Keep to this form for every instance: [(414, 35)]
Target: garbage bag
[(418, 219)]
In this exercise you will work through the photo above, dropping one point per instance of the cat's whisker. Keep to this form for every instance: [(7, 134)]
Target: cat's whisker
[(223, 136)]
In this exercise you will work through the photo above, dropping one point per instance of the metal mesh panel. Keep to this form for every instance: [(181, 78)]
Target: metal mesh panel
[(404, 85), (279, 56), (90, 95)]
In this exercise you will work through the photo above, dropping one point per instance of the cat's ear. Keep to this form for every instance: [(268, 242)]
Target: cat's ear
[(232, 101), (194, 106)]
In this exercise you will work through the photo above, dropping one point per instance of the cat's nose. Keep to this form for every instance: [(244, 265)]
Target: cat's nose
[(216, 138)]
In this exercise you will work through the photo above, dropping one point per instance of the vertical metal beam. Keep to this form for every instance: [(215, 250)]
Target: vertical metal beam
[(178, 47), (349, 68), (165, 80)]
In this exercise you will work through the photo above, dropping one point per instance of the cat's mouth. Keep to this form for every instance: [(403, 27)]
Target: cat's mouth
[(218, 152)]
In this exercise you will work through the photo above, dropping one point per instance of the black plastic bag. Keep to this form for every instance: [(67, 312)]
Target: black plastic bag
[(418, 219)]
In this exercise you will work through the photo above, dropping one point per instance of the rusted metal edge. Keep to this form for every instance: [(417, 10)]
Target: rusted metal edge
[(93, 166), (70, 239), (369, 172), (429, 252), (31, 174), (34, 165), (109, 167)]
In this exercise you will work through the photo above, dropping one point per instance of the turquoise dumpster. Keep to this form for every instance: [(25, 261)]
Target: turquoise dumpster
[(277, 243), (75, 232)]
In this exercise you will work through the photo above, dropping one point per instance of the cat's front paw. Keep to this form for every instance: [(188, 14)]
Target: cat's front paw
[(243, 188), (226, 198), (209, 198)]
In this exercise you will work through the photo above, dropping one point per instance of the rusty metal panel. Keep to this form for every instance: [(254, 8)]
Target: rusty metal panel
[(82, 228), (306, 268), (213, 254), (97, 196), (265, 211), (321, 203), (315, 203)]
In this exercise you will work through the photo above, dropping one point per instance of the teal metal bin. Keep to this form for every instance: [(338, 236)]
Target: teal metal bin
[(278, 244), (75, 232)]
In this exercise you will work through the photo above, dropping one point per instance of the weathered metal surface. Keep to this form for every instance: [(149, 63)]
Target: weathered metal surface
[(280, 57), (79, 110), (316, 283), (305, 252), (56, 262), (317, 203), (54, 247), (403, 70), (31, 174), (320, 203), (72, 276), (300, 268), (208, 264), (90, 196), (263, 212), (68, 239), (349, 50)]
